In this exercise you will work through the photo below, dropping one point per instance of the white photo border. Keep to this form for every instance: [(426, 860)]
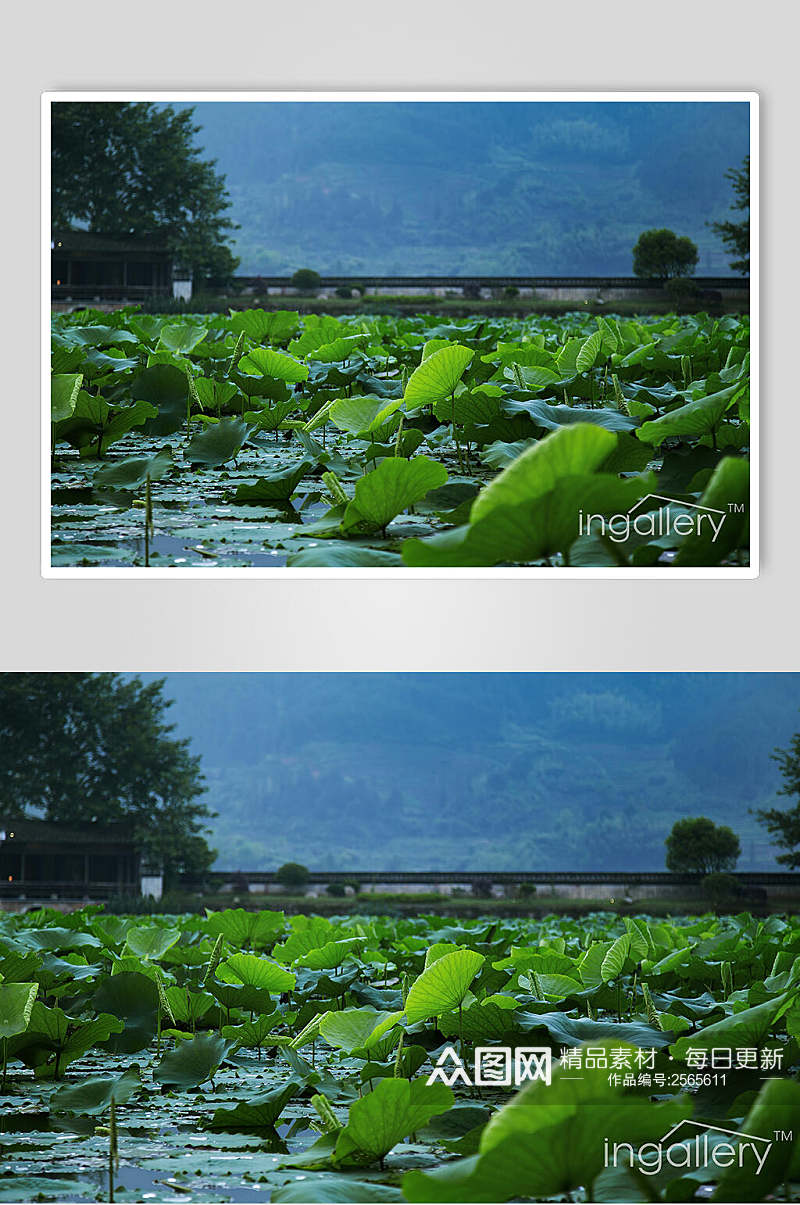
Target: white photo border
[(286, 573)]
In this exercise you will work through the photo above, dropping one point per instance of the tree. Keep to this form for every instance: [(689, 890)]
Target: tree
[(736, 235), (122, 168), (95, 749), (306, 280), (292, 875), (697, 845), (662, 254), (784, 825)]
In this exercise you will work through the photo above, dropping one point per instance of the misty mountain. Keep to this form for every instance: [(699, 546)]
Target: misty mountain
[(459, 188), (490, 771)]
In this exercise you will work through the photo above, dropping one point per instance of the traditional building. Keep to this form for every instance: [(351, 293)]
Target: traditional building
[(42, 860), (86, 267)]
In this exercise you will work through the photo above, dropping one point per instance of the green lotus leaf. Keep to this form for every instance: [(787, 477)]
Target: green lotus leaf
[(552, 418), (437, 376), (443, 986), (257, 972), (395, 1109), (746, 1028), (391, 488), (264, 326), (192, 1063), (357, 1028), (259, 1112), (245, 929), (219, 443), (96, 1094), (548, 1141), (133, 997), (277, 486), (727, 498), (16, 1003), (573, 450), (529, 530), (336, 1190), (132, 473), (266, 362), (181, 336), (361, 415), (151, 941), (166, 388), (64, 390), (693, 420), (333, 554)]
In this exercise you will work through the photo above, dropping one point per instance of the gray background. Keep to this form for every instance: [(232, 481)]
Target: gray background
[(358, 624)]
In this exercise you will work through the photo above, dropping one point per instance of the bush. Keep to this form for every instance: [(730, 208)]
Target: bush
[(344, 291), (482, 889), (306, 280), (293, 876), (526, 891), (720, 888), (354, 885), (511, 291), (681, 290), (337, 889)]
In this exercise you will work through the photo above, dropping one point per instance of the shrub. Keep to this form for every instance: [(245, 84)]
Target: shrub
[(511, 291), (337, 889), (720, 888), (526, 891), (681, 290)]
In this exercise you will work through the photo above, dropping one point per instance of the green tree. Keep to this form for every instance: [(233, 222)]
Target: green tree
[(306, 280), (292, 875), (122, 168), (95, 749), (784, 824), (736, 235), (697, 845), (663, 254)]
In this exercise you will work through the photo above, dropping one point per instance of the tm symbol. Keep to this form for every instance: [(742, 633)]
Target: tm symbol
[(736, 508), (783, 1135)]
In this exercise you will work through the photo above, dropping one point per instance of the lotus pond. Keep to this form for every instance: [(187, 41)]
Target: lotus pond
[(247, 1056), (269, 439)]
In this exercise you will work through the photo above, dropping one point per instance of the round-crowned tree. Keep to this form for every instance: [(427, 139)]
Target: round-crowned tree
[(698, 846), (292, 875), (306, 280), (663, 254)]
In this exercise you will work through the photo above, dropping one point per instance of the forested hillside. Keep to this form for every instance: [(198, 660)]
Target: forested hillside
[(471, 188), (495, 771)]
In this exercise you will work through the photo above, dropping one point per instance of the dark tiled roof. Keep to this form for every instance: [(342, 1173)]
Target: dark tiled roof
[(30, 829), (86, 240)]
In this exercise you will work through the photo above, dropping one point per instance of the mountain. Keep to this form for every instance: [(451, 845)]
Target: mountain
[(453, 188), (489, 771)]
